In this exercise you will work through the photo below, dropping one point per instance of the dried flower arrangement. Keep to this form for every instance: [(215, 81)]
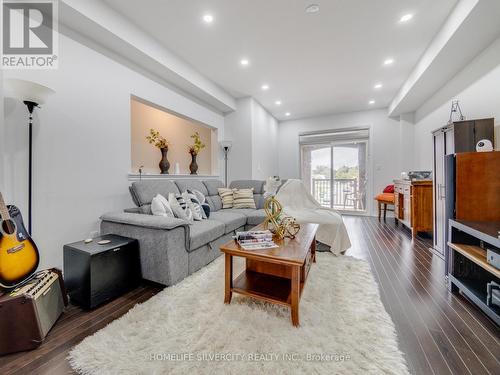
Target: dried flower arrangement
[(157, 140), (198, 144)]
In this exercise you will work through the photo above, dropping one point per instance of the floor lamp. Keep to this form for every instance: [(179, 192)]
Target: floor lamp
[(226, 146), (32, 95)]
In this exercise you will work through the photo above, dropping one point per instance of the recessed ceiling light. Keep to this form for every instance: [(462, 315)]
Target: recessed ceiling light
[(208, 18), (371, 102), (277, 102), (378, 86), (406, 17), (313, 8), (287, 114), (389, 61), (265, 87), (244, 62)]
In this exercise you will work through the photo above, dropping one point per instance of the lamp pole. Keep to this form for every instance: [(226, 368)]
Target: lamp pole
[(31, 106), (226, 150)]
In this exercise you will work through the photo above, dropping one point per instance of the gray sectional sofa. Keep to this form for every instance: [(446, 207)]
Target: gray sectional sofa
[(171, 248)]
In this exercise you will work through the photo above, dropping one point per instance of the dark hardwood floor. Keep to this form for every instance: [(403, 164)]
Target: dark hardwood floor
[(438, 332)]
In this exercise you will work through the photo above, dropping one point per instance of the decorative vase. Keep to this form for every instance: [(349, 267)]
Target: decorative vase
[(164, 164), (193, 167)]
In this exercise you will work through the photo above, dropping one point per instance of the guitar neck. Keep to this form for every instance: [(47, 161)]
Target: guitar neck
[(4, 211)]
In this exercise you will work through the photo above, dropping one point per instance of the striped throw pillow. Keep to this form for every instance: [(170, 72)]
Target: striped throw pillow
[(193, 205), (226, 195), (179, 207), (243, 198)]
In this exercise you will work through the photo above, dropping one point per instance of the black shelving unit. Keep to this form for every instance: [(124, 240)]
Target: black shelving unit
[(469, 272)]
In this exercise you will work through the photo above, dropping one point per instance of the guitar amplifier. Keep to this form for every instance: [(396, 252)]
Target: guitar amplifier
[(28, 313)]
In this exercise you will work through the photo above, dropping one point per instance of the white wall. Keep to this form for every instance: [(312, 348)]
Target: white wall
[(254, 134), (477, 87), (264, 143), (81, 143), (2, 137), (238, 129), (385, 162)]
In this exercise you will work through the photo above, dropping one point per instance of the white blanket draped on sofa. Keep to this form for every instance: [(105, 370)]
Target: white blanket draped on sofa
[(300, 204)]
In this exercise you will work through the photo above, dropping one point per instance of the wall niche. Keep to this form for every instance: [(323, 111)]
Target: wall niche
[(177, 130)]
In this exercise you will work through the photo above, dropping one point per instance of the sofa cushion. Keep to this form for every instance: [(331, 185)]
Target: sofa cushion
[(185, 185), (212, 186), (214, 202), (144, 191), (145, 209), (231, 220), (257, 185), (259, 200), (254, 217), (203, 232)]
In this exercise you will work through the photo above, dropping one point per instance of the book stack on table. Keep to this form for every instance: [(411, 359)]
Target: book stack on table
[(255, 240)]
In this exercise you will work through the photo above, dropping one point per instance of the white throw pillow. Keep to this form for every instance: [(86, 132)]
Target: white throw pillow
[(194, 207), (161, 207), (179, 207)]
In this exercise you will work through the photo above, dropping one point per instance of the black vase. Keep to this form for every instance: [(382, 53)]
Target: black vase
[(193, 167), (164, 164)]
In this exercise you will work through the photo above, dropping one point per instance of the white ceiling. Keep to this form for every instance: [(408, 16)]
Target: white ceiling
[(315, 64)]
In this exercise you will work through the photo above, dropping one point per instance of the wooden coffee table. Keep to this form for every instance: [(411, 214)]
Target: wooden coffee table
[(274, 275)]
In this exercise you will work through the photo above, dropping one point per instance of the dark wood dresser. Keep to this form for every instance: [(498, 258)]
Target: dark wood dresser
[(413, 204)]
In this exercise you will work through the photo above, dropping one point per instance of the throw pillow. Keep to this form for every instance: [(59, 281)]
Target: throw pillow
[(243, 198), (180, 207), (226, 195), (206, 210), (161, 207), (389, 189), (203, 202), (193, 205)]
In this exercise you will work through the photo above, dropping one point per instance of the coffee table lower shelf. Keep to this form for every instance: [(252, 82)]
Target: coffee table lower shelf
[(265, 287)]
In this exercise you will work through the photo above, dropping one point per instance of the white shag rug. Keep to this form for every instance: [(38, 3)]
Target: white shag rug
[(187, 329)]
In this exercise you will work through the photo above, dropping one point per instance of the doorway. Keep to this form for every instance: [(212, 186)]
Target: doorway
[(336, 174)]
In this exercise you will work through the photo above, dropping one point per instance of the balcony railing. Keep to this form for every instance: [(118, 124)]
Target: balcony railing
[(342, 188)]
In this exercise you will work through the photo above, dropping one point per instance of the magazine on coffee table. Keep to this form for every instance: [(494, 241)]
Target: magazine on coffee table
[(255, 240)]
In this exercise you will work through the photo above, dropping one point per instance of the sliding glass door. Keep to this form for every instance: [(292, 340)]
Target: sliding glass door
[(336, 174)]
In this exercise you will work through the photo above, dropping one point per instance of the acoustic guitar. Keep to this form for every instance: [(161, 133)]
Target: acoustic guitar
[(19, 255)]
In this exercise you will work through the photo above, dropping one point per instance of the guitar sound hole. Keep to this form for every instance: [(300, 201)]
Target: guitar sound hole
[(8, 227)]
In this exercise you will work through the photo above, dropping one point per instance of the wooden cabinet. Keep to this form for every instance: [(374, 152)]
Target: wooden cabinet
[(413, 204), (478, 186)]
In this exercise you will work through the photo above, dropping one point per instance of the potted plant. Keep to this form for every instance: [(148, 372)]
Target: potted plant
[(160, 142), (194, 150)]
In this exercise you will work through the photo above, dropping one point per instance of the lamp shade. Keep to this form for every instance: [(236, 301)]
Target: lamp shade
[(226, 144), (27, 90)]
